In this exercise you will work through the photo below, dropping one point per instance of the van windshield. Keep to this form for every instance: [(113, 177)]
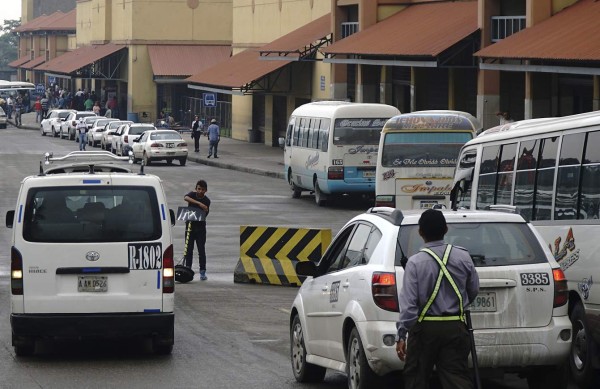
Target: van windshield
[(490, 244), (85, 214)]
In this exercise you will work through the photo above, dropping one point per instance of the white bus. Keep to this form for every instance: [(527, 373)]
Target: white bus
[(549, 169), (330, 148), (417, 157)]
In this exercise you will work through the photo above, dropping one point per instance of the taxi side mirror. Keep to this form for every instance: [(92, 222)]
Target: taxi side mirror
[(172, 215), (10, 218), (306, 268)]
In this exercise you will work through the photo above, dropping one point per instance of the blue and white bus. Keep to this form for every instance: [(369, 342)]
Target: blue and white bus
[(330, 148)]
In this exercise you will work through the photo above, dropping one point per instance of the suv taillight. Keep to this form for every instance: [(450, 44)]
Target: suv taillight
[(125, 139), (383, 288), (561, 290), (168, 271), (335, 173), (16, 272)]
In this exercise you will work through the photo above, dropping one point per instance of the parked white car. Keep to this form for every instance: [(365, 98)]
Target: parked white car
[(51, 123), (156, 145), (68, 126), (3, 118), (128, 134), (344, 315), (97, 130), (107, 134)]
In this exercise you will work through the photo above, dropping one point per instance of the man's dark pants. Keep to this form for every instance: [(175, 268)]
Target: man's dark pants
[(443, 344), (195, 232)]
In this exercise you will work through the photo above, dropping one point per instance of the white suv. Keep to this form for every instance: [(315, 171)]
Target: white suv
[(81, 265), (344, 315), (128, 134)]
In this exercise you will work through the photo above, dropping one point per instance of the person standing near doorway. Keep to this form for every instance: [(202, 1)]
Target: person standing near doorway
[(214, 136), (195, 231), (196, 132), (439, 282)]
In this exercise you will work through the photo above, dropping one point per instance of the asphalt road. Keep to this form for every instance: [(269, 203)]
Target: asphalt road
[(228, 335)]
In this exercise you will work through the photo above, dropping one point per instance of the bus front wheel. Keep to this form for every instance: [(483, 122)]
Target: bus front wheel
[(296, 192)]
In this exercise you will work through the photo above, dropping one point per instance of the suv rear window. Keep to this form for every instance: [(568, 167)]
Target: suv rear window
[(490, 244), (138, 130), (85, 214)]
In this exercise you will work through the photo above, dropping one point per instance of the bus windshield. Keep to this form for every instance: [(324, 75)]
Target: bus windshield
[(357, 131), (423, 149)]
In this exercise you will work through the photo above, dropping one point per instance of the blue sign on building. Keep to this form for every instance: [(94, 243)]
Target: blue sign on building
[(40, 89), (210, 100), (51, 80)]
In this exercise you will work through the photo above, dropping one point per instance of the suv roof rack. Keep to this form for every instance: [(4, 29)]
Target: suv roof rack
[(90, 159), (393, 215)]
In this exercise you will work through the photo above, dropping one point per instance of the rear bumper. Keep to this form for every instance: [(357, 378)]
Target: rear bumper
[(103, 325)]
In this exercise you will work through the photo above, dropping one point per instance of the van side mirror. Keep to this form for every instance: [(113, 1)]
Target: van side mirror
[(306, 268), (10, 219), (172, 215), (281, 142)]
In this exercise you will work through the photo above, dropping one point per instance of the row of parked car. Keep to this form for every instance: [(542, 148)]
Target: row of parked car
[(118, 136)]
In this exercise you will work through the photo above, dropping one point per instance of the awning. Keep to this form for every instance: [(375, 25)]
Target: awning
[(239, 74), (20, 61), (34, 62), (300, 44), (416, 36), (570, 35), (76, 60), (174, 63)]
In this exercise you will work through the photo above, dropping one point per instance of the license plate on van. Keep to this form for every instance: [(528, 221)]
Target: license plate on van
[(484, 302), (92, 283)]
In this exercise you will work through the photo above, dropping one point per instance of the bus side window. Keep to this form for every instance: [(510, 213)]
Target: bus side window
[(567, 182), (487, 176), (525, 180), (590, 178), (505, 174), (545, 179), (314, 129), (311, 133), (289, 133), (324, 135), (304, 132), (296, 133)]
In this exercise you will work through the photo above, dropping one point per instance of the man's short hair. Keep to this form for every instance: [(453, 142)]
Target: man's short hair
[(202, 184), (433, 224)]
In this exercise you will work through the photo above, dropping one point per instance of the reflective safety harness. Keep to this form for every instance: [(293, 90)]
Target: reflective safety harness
[(443, 273)]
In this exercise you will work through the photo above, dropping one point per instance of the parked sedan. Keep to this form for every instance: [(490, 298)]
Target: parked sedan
[(128, 134), (52, 122), (156, 145), (68, 126), (3, 119), (107, 135), (97, 130)]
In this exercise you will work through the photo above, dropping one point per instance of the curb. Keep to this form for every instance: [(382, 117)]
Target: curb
[(202, 161)]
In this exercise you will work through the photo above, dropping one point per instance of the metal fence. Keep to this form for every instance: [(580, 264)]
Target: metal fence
[(192, 106)]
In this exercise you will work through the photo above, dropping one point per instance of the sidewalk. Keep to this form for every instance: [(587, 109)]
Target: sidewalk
[(255, 158)]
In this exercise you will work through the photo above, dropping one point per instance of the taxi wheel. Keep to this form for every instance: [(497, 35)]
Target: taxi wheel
[(320, 197), (182, 161), (147, 160), (360, 375), (303, 371), (582, 349), (42, 131), (169, 161)]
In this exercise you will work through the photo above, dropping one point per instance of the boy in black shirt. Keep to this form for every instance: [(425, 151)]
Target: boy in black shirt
[(195, 231)]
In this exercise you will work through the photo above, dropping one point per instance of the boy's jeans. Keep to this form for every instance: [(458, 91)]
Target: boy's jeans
[(82, 141)]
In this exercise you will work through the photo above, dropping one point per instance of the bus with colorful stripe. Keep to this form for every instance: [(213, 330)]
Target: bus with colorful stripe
[(417, 157), (330, 148)]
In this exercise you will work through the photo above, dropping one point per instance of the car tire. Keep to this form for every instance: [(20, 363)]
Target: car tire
[(42, 131), (552, 377), (360, 374), (54, 133), (320, 197), (147, 160), (296, 192), (303, 371), (169, 161), (582, 349), (182, 161)]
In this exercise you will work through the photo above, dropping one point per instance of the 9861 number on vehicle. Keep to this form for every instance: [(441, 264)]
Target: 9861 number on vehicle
[(484, 302)]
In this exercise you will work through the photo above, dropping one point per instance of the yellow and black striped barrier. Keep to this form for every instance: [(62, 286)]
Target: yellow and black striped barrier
[(268, 255)]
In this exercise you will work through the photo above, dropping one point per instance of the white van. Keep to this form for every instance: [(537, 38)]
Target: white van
[(91, 255)]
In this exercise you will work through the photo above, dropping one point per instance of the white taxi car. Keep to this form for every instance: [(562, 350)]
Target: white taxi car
[(81, 265), (97, 130), (51, 123), (107, 135), (344, 315), (157, 145), (3, 119), (128, 133)]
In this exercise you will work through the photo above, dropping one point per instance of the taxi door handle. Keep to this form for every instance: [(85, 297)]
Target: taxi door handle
[(346, 284)]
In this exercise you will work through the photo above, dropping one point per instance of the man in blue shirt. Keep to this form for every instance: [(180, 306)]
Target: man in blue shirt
[(214, 136), (439, 282)]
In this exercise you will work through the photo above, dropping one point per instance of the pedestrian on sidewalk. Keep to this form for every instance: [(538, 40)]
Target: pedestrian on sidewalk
[(82, 130), (197, 127), (439, 282), (214, 136), (37, 106), (195, 231), (45, 103), (9, 107)]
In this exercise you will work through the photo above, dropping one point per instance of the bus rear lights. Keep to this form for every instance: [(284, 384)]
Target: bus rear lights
[(335, 173)]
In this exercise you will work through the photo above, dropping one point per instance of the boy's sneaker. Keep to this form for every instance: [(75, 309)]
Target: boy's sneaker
[(203, 276)]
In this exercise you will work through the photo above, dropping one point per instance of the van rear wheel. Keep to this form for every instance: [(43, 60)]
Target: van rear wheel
[(320, 197)]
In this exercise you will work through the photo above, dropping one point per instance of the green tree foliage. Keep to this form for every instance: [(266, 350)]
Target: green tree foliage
[(8, 42)]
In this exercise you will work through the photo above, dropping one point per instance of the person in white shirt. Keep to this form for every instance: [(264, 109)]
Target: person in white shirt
[(82, 131)]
